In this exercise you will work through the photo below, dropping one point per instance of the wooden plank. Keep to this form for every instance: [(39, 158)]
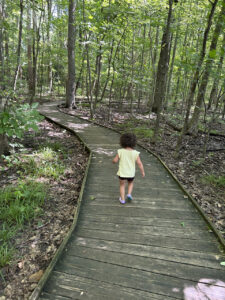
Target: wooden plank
[(188, 257), (159, 222), (172, 205), (178, 270), (129, 277), (180, 232), (47, 296), (151, 240), (144, 203), (152, 193), (142, 212), (75, 286)]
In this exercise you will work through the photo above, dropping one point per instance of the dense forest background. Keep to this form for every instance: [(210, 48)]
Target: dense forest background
[(160, 56)]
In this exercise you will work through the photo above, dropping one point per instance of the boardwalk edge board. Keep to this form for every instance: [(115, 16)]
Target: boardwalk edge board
[(37, 291), (194, 202)]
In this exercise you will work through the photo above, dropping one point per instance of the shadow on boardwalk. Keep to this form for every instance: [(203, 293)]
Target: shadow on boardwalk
[(157, 247)]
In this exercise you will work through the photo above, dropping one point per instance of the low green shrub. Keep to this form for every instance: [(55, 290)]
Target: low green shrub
[(43, 163), (218, 181), (6, 254), (22, 202), (143, 132)]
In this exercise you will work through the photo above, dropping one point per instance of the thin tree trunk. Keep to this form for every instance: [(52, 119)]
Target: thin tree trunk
[(98, 67), (141, 69), (18, 46), (109, 67), (50, 83), (35, 50), (172, 65), (70, 92), (2, 84), (162, 71), (29, 52), (153, 56)]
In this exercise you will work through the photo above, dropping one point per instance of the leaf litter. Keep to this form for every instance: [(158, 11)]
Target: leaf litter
[(38, 241)]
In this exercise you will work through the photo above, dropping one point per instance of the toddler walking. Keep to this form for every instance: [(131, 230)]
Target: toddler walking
[(127, 158)]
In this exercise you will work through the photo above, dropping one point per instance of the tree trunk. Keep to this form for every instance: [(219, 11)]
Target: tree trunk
[(70, 93), (4, 145), (50, 85), (172, 65), (193, 123), (2, 84), (29, 53), (35, 50), (162, 71), (18, 46), (141, 68)]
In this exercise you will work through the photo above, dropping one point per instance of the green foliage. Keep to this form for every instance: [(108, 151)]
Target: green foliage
[(17, 119), (18, 204), (198, 162), (22, 202), (56, 146), (6, 233), (42, 163), (143, 132), (6, 254), (218, 181)]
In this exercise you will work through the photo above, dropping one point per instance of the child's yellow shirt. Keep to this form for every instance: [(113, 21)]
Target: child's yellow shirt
[(127, 162)]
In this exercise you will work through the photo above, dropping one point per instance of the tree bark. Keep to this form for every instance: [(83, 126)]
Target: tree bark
[(163, 64), (70, 92), (4, 145), (162, 71), (35, 50), (50, 84), (2, 84), (18, 46), (29, 52)]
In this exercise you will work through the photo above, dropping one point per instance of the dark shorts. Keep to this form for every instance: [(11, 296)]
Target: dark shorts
[(130, 179)]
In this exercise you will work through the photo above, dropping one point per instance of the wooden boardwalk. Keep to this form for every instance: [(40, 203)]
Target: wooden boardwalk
[(158, 247)]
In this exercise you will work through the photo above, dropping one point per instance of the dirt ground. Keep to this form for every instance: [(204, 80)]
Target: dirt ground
[(190, 168), (37, 243)]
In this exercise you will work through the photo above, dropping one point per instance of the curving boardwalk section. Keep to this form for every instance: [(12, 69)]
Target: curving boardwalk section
[(158, 247)]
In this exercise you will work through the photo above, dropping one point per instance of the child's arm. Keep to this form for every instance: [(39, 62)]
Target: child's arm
[(140, 165), (116, 159)]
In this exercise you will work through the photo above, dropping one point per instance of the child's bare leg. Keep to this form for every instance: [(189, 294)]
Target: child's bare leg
[(130, 187), (122, 189)]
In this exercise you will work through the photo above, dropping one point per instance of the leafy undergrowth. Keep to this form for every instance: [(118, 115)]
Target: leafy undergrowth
[(39, 188), (202, 176)]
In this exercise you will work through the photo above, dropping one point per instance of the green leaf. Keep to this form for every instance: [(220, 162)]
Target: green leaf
[(212, 53), (222, 263), (92, 197), (182, 224)]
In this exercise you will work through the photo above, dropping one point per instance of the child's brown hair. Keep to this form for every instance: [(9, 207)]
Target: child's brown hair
[(128, 140)]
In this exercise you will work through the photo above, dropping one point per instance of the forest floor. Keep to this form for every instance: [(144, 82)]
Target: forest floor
[(203, 176), (37, 241)]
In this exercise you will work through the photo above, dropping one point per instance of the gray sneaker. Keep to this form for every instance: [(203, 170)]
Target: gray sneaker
[(129, 197)]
